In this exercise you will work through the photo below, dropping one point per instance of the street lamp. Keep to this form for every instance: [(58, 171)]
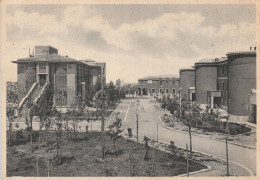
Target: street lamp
[(227, 131), (180, 98), (138, 110)]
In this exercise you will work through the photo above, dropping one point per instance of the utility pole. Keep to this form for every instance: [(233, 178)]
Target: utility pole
[(102, 119), (187, 160), (137, 127), (152, 141), (227, 145), (180, 99), (157, 136), (137, 112)]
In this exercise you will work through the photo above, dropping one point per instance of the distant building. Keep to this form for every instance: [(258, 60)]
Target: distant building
[(158, 85), (67, 77)]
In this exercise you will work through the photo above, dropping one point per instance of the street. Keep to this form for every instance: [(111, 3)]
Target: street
[(148, 121)]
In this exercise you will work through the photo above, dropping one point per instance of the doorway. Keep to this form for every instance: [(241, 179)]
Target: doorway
[(42, 79)]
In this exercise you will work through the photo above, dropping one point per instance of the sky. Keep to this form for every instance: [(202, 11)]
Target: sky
[(135, 41)]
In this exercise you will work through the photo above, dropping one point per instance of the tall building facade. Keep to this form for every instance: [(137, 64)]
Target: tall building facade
[(228, 83), (67, 77), (187, 84)]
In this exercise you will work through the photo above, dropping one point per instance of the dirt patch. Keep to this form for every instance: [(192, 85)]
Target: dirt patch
[(83, 158)]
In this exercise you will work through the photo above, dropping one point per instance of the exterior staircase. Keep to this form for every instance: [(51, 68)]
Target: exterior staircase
[(34, 93)]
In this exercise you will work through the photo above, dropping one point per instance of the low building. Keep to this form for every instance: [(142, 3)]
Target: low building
[(66, 76), (158, 85)]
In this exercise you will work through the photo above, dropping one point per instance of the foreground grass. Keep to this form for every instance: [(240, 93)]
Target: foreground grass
[(83, 158)]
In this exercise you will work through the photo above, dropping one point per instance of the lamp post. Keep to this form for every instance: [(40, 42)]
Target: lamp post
[(180, 98), (227, 130), (138, 110)]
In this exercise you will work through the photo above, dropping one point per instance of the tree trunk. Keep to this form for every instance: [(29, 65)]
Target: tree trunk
[(31, 135), (9, 137), (40, 131), (46, 139), (190, 139), (114, 146)]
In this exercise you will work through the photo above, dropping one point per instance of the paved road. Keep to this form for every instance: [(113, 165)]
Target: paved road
[(148, 121)]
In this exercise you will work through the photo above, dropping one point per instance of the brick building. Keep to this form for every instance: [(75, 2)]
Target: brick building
[(228, 83), (242, 85), (67, 77), (187, 83), (158, 84)]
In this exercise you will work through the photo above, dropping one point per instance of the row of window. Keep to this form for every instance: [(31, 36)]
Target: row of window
[(155, 81), (161, 90)]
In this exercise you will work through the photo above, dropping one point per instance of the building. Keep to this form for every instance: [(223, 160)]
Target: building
[(211, 82), (158, 85), (187, 83), (228, 83), (97, 69), (66, 76), (242, 82)]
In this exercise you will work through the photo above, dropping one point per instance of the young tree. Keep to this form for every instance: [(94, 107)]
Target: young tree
[(11, 116), (44, 108), (138, 109), (31, 108), (115, 129), (147, 148), (164, 103), (190, 113)]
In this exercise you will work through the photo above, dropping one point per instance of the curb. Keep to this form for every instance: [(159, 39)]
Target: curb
[(199, 171), (182, 175), (249, 147), (127, 112)]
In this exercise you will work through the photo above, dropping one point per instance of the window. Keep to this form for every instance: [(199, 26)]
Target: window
[(173, 82), (173, 91), (61, 84), (160, 90), (152, 90), (42, 67), (167, 90)]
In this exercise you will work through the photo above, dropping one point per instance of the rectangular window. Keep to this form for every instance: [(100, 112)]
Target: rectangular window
[(160, 90), (167, 90), (173, 82), (173, 91), (152, 90), (61, 84), (42, 67)]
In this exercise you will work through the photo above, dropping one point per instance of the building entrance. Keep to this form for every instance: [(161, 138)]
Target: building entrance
[(42, 79)]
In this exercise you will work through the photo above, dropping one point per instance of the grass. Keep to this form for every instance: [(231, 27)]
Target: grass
[(83, 159)]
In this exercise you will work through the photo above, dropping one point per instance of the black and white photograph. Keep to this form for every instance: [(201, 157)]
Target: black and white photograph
[(113, 89)]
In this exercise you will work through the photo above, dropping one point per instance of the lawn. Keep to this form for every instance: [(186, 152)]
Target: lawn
[(81, 157)]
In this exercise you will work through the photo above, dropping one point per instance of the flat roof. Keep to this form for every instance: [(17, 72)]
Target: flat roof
[(161, 77), (242, 53), (187, 69)]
